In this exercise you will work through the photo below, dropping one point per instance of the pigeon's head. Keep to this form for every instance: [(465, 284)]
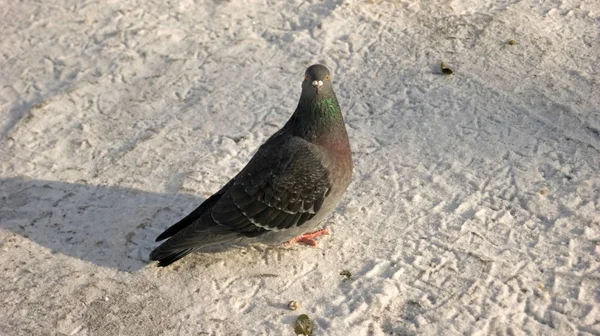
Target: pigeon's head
[(317, 81)]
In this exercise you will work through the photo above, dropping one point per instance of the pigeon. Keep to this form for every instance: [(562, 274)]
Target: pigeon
[(292, 183)]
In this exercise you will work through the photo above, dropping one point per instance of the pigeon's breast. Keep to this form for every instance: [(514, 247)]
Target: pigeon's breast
[(340, 168)]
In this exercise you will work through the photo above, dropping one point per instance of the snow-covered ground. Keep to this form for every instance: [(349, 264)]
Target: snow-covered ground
[(475, 203)]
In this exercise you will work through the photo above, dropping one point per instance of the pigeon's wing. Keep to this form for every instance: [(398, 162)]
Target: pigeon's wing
[(284, 185), (277, 190), (195, 219), (194, 215)]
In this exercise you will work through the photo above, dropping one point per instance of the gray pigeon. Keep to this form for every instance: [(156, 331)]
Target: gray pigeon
[(295, 179)]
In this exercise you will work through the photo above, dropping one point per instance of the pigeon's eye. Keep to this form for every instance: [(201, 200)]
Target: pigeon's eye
[(327, 78), (305, 77)]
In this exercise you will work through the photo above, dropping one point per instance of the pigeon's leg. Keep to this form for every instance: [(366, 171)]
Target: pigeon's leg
[(308, 238)]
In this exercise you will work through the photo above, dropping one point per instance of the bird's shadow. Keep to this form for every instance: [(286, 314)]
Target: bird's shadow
[(108, 226)]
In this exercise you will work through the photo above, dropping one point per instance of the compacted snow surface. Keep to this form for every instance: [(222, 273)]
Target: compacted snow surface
[(475, 202)]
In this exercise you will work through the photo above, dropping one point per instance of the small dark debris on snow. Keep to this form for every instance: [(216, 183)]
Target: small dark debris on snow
[(293, 305), (303, 325), (445, 69), (346, 274)]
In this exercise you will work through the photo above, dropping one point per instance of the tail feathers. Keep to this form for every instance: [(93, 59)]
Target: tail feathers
[(166, 258), (178, 247), (191, 218)]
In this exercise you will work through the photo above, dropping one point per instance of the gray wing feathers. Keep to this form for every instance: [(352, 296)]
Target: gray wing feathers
[(277, 190), (279, 196)]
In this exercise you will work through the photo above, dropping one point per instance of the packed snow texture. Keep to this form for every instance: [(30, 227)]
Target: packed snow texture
[(474, 207)]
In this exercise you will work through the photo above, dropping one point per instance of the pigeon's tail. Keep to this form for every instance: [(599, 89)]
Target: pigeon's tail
[(166, 258), (191, 218), (181, 245)]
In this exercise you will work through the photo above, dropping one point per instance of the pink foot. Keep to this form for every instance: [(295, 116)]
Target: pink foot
[(308, 238)]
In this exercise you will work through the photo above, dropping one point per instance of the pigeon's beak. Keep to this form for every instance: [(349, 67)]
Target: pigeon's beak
[(317, 85)]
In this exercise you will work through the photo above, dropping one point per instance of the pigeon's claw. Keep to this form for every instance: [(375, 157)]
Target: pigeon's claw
[(309, 238)]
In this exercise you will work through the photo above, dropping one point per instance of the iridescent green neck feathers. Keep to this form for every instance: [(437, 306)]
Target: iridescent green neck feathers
[(320, 121)]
